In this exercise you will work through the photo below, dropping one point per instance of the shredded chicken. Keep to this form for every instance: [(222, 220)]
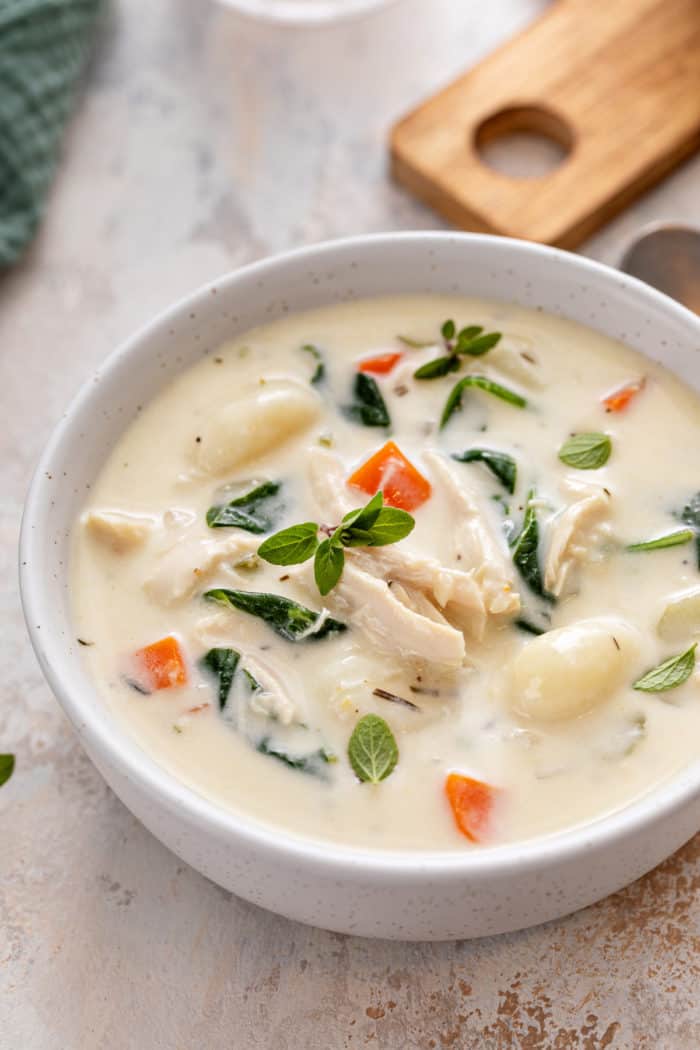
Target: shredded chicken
[(368, 603), (116, 529), (573, 533), (481, 550), (456, 592), (272, 700), (184, 566)]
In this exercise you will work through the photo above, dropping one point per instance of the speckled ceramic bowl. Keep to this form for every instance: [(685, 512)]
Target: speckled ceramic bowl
[(384, 894)]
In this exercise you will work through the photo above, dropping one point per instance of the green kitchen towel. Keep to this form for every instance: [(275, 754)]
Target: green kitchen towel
[(43, 48)]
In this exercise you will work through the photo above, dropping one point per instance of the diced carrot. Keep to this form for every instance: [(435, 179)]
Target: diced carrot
[(381, 364), (620, 399), (388, 470), (472, 802), (162, 664)]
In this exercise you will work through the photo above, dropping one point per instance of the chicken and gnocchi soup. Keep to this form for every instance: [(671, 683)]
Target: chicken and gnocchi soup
[(404, 573)]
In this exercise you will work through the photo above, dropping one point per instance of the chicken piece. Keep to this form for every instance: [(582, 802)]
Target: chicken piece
[(513, 358), (572, 534), (118, 530), (477, 546), (256, 423), (271, 700), (455, 591), (183, 567), (368, 603)]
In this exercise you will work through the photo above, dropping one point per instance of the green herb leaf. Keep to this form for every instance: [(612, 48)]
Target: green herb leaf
[(311, 763), (673, 539), (465, 335), (222, 663), (365, 517), (499, 463), (448, 330), (7, 766), (475, 346), (369, 406), (668, 675), (328, 566), (391, 526), (253, 511), (586, 451), (415, 344), (525, 551), (372, 749), (454, 401), (288, 618), (290, 546), (441, 366), (319, 372)]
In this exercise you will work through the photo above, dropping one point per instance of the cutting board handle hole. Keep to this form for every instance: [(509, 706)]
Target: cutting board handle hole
[(523, 141)]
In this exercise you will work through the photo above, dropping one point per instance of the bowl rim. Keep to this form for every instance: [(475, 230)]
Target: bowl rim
[(329, 857)]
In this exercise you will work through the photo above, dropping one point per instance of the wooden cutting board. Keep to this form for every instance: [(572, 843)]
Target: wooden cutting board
[(615, 82)]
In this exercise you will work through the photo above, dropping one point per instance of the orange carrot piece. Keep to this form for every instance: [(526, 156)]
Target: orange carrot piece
[(162, 663), (620, 399), (381, 364), (472, 802), (388, 470)]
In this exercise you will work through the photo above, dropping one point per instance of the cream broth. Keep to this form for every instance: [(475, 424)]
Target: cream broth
[(551, 724)]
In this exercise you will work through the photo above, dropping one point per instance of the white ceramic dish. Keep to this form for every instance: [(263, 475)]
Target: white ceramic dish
[(399, 895)]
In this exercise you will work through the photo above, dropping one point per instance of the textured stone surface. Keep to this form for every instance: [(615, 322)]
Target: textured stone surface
[(204, 141)]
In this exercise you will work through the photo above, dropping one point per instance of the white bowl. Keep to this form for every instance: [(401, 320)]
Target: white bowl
[(305, 12), (403, 895)]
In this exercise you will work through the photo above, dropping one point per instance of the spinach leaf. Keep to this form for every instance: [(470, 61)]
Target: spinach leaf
[(668, 675), (222, 663), (499, 463), (288, 618), (310, 763), (454, 401), (672, 539), (319, 373), (525, 550), (7, 766), (369, 406), (528, 627), (690, 515), (372, 749), (255, 511)]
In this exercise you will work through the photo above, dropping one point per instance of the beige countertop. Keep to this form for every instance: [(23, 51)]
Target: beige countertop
[(204, 141)]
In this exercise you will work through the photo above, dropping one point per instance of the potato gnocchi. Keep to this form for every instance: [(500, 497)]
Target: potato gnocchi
[(405, 573)]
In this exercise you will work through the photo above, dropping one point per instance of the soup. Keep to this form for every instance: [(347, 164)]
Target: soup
[(404, 573)]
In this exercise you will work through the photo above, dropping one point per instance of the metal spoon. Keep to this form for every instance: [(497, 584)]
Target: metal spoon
[(667, 256)]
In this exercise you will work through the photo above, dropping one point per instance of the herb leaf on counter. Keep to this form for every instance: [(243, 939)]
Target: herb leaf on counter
[(668, 675), (290, 546), (222, 663), (500, 464), (319, 373), (525, 550), (7, 766), (586, 451), (672, 539), (288, 618), (373, 525), (369, 406), (372, 750), (254, 511), (454, 401)]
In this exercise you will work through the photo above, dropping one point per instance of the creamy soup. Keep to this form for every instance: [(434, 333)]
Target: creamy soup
[(500, 646)]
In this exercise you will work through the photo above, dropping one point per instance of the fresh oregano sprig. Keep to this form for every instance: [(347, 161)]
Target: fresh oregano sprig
[(470, 341), (373, 525)]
